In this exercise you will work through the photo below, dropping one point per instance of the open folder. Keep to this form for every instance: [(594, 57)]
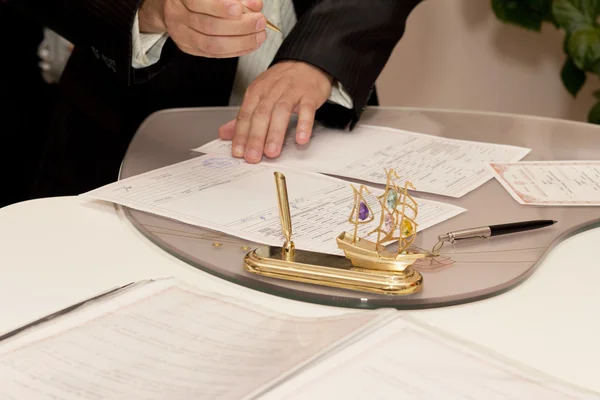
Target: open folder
[(164, 339)]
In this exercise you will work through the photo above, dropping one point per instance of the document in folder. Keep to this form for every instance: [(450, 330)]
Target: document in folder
[(438, 165), (168, 340)]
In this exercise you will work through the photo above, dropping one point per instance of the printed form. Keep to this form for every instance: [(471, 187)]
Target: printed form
[(240, 199), (551, 183), (443, 166), (405, 360), (171, 341)]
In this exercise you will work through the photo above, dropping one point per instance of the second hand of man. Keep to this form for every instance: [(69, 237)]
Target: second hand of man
[(262, 121), (261, 124)]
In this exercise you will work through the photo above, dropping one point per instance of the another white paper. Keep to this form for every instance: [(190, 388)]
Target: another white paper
[(551, 183), (433, 164), (402, 360), (240, 199), (172, 343)]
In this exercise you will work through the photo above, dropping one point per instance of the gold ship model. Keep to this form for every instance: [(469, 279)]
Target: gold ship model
[(396, 207), (367, 265)]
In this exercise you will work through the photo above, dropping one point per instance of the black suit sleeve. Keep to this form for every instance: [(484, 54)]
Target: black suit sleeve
[(101, 26), (351, 40)]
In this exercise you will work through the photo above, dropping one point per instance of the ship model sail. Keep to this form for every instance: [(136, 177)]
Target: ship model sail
[(397, 223)]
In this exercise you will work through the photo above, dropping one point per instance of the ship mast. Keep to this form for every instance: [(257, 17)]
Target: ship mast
[(407, 225), (392, 219), (389, 213), (361, 212)]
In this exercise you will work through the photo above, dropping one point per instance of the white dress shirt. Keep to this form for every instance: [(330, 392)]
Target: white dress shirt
[(147, 49)]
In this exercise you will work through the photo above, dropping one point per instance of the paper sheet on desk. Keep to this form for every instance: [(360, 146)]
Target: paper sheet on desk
[(551, 183), (407, 360), (240, 199), (169, 340), (443, 166)]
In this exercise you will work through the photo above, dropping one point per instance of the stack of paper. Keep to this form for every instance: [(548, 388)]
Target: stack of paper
[(231, 196), (226, 194), (433, 164)]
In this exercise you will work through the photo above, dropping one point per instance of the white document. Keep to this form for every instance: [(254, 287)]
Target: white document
[(169, 341), (551, 183), (403, 360), (433, 164), (240, 199)]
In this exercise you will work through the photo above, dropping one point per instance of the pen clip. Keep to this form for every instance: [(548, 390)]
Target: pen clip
[(483, 232)]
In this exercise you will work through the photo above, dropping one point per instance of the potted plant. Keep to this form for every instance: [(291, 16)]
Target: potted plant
[(578, 19)]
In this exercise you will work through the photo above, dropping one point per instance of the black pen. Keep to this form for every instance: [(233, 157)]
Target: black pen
[(485, 232)]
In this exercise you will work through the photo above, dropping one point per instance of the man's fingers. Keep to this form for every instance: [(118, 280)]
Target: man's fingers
[(200, 44), (258, 131), (227, 131), (230, 9), (204, 28), (195, 52), (242, 124), (252, 23), (253, 5), (280, 120), (261, 119), (217, 8), (306, 120), (217, 46)]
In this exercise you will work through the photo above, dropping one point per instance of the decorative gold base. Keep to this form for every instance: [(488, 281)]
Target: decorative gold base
[(366, 254), (330, 270)]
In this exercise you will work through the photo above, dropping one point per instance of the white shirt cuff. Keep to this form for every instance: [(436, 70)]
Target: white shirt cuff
[(146, 46), (340, 96)]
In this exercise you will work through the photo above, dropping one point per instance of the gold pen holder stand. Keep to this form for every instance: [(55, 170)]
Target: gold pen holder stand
[(367, 266)]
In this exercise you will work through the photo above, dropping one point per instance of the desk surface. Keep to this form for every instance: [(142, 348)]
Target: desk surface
[(58, 251), (477, 269)]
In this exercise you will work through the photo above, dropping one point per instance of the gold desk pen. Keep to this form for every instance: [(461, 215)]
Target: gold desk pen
[(270, 25), (284, 215), (366, 266)]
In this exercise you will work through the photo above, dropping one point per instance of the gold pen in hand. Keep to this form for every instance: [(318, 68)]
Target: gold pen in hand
[(270, 25)]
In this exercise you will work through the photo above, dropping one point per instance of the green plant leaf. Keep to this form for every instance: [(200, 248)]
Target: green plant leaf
[(583, 47), (580, 21), (567, 15), (595, 69), (589, 8), (528, 14), (572, 77), (594, 114)]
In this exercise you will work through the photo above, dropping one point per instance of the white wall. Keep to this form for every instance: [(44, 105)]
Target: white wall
[(455, 54)]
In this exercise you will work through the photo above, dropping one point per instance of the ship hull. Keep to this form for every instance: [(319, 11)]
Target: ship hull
[(368, 255)]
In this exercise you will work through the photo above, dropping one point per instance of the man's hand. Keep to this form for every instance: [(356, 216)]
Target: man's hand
[(207, 28), (262, 121)]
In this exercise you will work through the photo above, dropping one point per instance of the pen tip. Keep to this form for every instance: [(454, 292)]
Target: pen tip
[(554, 222)]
